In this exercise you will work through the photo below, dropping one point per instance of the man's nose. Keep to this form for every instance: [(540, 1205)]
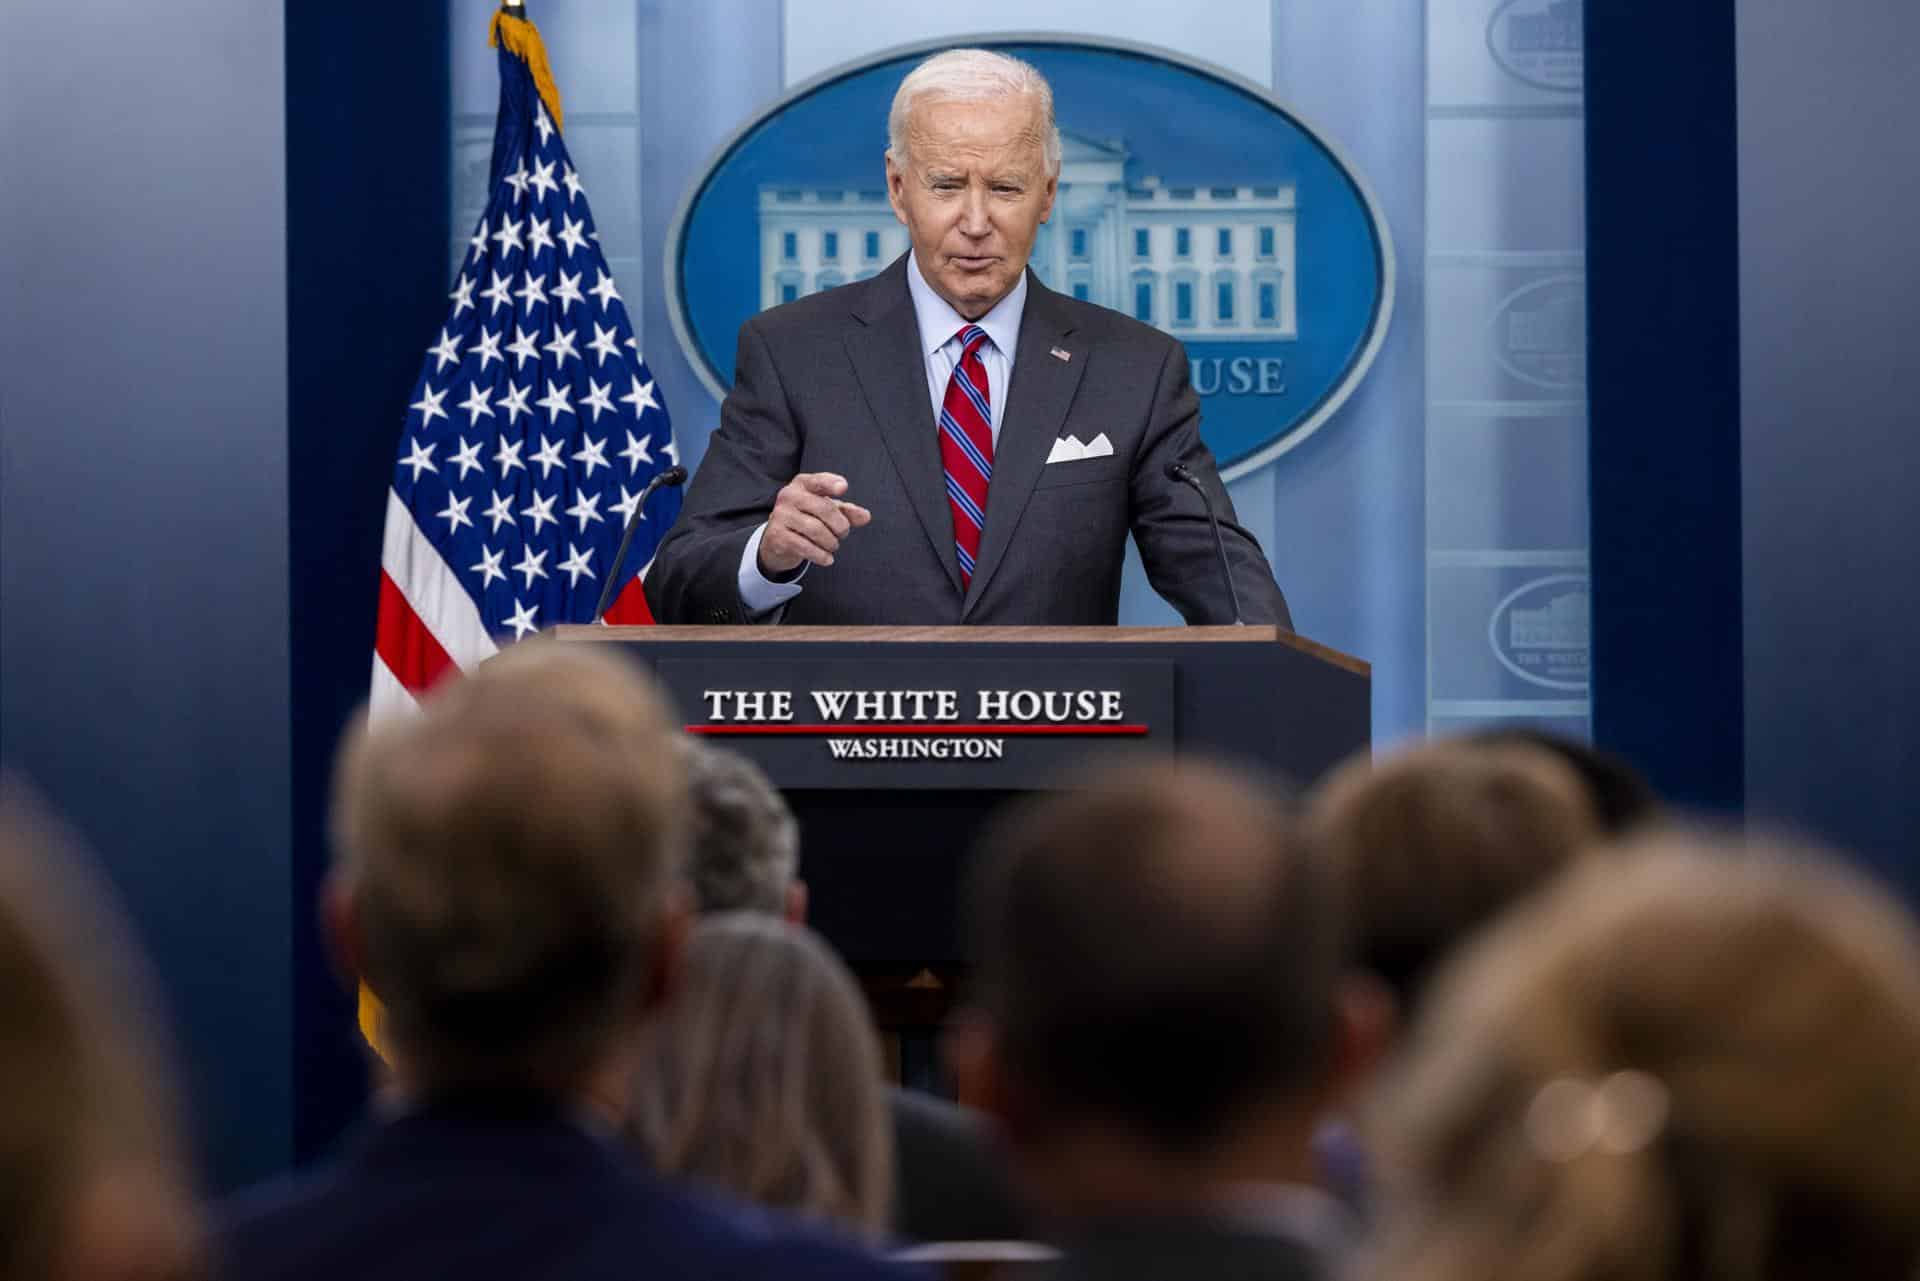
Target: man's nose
[(973, 213)]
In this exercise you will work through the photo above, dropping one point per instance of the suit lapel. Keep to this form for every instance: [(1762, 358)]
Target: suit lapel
[(886, 355), (1037, 404)]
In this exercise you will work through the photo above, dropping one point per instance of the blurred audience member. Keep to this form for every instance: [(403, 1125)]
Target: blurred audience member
[(1689, 1062), (763, 1077), (949, 1178), (505, 878), (93, 1181), (1434, 842), (745, 848), (1162, 1017), (1621, 796)]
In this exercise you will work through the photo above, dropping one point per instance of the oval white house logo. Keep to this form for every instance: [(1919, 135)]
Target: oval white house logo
[(1541, 632), (1540, 43), (1540, 333), (1189, 198)]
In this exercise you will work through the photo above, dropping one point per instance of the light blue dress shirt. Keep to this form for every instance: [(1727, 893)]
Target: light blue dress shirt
[(940, 327)]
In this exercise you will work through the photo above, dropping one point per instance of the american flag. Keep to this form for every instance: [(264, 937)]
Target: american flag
[(533, 428)]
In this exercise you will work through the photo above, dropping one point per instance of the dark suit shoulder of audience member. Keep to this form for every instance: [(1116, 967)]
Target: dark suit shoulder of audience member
[(950, 1179), (455, 1190)]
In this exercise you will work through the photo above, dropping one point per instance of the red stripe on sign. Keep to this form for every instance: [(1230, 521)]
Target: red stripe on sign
[(629, 608), (1131, 731), (404, 643)]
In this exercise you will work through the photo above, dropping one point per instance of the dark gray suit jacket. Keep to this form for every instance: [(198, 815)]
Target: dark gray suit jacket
[(837, 382), (949, 1183), (1172, 1249)]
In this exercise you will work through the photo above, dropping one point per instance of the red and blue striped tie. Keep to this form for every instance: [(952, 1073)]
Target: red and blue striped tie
[(966, 448)]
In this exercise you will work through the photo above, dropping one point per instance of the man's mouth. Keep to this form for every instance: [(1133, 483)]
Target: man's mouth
[(966, 263)]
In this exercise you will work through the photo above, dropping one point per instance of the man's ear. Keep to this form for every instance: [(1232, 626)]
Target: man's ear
[(896, 182), (1366, 1020), (796, 905), (340, 931)]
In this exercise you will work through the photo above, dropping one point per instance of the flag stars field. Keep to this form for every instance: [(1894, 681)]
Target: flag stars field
[(532, 379)]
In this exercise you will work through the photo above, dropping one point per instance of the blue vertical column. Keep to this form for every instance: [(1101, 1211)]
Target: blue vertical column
[(367, 280), (1664, 343)]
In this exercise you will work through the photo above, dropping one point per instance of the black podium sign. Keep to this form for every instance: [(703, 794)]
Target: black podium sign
[(893, 743), (907, 723)]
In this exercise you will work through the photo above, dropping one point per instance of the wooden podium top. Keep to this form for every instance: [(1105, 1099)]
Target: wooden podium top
[(1265, 633)]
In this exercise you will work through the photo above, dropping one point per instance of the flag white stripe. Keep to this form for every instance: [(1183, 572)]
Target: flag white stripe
[(432, 589), (388, 698)]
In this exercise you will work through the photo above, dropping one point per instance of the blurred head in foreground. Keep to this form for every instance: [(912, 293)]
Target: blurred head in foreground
[(1687, 1061), (744, 850), (1434, 842), (763, 1078), (94, 1185), (1621, 796), (1161, 1009), (505, 872)]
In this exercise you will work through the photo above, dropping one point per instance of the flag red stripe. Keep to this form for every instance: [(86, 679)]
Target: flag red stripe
[(629, 608), (404, 644)]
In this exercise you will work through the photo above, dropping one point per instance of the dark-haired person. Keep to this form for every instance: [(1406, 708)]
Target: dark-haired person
[(1162, 1018)]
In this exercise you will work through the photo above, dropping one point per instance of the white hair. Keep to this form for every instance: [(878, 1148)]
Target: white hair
[(972, 75)]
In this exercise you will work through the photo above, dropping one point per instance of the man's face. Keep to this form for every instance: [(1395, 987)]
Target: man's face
[(973, 194)]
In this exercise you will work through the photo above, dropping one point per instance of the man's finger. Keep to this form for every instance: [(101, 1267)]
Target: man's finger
[(825, 483), (856, 514), (789, 543), (813, 505), (813, 531)]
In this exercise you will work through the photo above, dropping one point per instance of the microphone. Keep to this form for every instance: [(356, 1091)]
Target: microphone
[(1183, 474), (672, 477)]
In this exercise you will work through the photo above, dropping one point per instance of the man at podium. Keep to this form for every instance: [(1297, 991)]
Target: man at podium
[(951, 441)]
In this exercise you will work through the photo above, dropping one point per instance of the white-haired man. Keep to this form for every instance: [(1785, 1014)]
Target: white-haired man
[(951, 441)]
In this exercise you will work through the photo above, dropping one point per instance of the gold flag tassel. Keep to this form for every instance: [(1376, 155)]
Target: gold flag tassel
[(522, 40)]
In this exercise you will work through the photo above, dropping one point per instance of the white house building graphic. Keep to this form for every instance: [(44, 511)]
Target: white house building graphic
[(1212, 263)]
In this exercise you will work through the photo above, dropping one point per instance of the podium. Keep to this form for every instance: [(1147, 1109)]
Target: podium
[(894, 743)]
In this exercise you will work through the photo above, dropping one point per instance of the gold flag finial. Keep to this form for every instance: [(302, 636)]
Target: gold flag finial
[(512, 29)]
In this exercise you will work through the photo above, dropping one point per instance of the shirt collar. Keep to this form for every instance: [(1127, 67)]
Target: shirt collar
[(939, 322)]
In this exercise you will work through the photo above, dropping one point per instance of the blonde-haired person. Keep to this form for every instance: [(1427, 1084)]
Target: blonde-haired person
[(764, 1079), (1697, 1060), (603, 693), (506, 875), (94, 1184), (1435, 841)]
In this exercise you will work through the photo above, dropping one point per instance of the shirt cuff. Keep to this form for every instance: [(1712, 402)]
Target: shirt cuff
[(758, 593)]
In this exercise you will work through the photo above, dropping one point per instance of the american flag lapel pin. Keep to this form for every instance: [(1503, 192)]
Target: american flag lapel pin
[(1059, 354)]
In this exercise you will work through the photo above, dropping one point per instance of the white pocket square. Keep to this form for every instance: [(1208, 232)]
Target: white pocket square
[(1068, 449)]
